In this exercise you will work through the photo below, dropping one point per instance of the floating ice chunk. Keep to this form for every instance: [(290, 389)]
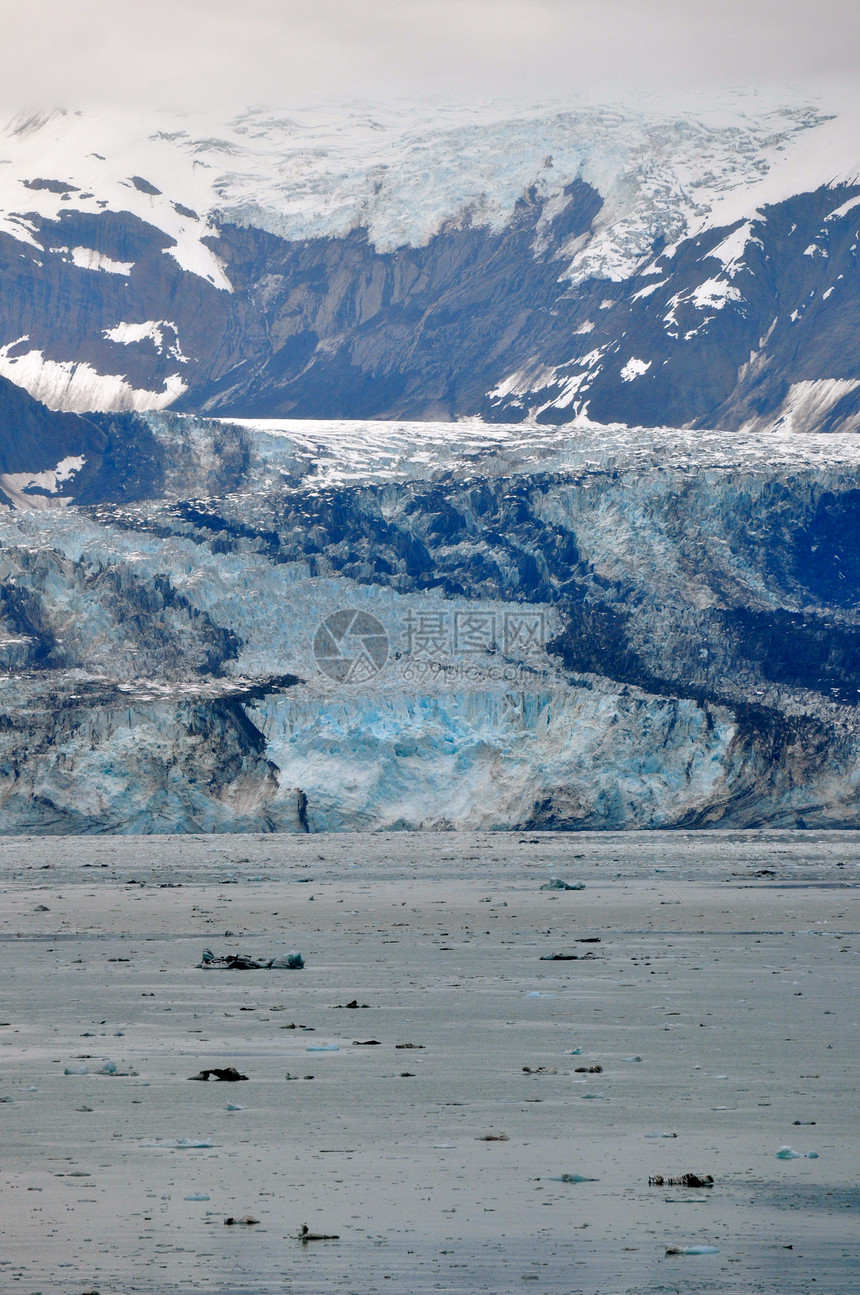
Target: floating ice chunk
[(572, 1178), (322, 1047), (197, 1196), (76, 1070), (692, 1250), (291, 961), (786, 1153), (556, 883), (661, 1135), (812, 1155), (181, 1144)]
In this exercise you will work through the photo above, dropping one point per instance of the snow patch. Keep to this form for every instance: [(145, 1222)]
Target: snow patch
[(78, 388), (646, 292), (839, 212), (807, 406), (19, 228), (713, 294), (17, 486), (153, 330), (634, 368), (523, 381), (571, 387), (541, 377), (87, 258), (732, 249)]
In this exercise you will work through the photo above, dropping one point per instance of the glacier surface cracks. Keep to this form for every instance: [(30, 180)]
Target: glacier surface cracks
[(367, 626)]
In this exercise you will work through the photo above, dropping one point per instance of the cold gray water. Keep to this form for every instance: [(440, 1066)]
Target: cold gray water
[(469, 1083)]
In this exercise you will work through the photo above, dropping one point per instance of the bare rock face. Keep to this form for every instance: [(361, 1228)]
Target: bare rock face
[(474, 322)]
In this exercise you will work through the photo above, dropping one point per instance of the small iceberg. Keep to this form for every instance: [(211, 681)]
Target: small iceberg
[(181, 1144), (692, 1250)]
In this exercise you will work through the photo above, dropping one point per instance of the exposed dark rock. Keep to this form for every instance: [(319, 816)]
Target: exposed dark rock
[(227, 1074), (331, 327)]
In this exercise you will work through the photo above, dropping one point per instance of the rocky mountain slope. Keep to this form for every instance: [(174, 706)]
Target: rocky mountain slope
[(372, 626), (517, 264)]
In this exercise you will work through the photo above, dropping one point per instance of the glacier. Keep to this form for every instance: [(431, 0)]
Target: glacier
[(383, 626), (404, 170)]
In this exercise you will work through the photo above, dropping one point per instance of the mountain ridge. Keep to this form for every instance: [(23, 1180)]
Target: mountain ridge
[(513, 265)]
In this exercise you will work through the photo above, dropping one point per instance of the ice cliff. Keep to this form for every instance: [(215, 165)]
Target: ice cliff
[(386, 625)]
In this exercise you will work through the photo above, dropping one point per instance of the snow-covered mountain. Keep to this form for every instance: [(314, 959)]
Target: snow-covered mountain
[(525, 263)]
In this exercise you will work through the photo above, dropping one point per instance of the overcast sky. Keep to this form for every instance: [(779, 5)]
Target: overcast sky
[(187, 53)]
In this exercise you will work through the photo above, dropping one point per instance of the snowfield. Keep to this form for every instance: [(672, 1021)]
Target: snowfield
[(404, 171)]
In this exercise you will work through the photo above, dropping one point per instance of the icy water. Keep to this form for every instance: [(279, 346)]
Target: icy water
[(702, 1015)]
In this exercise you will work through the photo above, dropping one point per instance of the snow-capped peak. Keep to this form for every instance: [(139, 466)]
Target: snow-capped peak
[(403, 171)]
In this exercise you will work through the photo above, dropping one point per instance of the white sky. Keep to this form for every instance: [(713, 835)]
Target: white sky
[(234, 53)]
